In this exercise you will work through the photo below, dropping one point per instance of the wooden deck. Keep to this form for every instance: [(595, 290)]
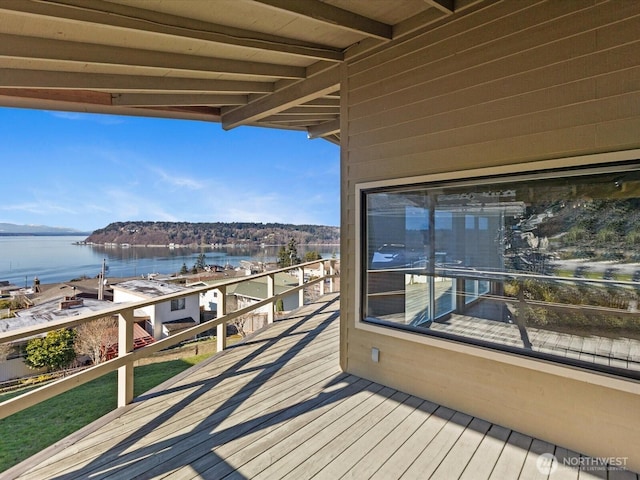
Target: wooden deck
[(278, 406)]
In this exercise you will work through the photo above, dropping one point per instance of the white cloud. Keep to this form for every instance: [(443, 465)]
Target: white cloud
[(38, 208), (125, 205), (89, 117), (178, 181)]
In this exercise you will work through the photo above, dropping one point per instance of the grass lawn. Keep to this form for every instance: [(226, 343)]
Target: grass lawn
[(30, 431)]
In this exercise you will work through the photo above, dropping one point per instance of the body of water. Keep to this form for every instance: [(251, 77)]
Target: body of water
[(56, 259)]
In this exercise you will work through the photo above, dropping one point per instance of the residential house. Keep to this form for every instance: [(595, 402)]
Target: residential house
[(248, 293), (209, 299), (252, 291), (7, 288), (51, 310), (165, 318)]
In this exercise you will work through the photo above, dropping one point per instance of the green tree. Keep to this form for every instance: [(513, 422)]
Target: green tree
[(279, 305), (288, 256), (283, 257), (55, 351), (183, 269), (292, 249), (201, 262), (311, 256)]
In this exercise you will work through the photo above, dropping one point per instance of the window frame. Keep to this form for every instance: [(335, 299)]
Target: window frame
[(180, 304), (569, 166)]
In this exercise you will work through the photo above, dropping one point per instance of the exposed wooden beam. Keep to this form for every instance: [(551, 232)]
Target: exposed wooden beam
[(419, 21), (15, 78), (161, 99), (402, 29), (300, 122), (83, 106), (15, 46), (74, 96), (296, 94), (188, 110), (446, 6), (335, 139), (304, 119), (276, 126), (338, 17), (311, 111), (318, 67), (120, 17), (324, 129), (323, 102)]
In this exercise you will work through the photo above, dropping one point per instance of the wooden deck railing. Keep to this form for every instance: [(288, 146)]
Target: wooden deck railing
[(124, 363)]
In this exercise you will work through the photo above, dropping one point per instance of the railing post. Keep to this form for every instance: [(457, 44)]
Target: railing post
[(125, 345), (301, 282), (221, 330), (332, 271), (270, 293), (322, 277)]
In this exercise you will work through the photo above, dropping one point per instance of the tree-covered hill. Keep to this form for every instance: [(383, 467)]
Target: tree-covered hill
[(238, 233)]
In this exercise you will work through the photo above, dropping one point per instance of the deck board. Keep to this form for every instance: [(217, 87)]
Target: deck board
[(278, 406), (396, 466), (357, 446), (486, 455), (512, 457), (391, 445), (461, 453), (436, 451)]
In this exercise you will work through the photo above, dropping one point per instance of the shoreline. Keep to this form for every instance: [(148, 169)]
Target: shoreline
[(201, 245)]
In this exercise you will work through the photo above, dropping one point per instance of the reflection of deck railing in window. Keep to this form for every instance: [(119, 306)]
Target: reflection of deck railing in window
[(591, 320), (124, 363)]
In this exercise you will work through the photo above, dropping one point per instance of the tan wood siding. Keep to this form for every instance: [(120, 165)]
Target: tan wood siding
[(512, 82), (586, 76)]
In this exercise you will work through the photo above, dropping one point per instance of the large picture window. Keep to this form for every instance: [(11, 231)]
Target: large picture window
[(545, 264)]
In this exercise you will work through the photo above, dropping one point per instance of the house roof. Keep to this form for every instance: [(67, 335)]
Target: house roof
[(149, 288), (257, 288), (175, 326), (50, 311), (6, 287), (140, 339), (85, 288), (272, 63)]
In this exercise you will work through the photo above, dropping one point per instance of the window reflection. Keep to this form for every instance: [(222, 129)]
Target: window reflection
[(547, 264)]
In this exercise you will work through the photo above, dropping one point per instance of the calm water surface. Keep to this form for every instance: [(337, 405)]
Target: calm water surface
[(56, 258)]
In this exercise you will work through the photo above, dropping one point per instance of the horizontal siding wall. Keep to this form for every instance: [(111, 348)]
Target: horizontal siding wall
[(512, 82), (544, 75)]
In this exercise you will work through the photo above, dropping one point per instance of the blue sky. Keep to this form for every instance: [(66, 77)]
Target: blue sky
[(85, 171)]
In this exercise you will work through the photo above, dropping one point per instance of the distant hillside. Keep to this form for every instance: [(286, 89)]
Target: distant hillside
[(236, 233), (13, 229)]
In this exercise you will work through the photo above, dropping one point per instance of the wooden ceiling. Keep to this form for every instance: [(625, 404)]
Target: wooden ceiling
[(271, 63)]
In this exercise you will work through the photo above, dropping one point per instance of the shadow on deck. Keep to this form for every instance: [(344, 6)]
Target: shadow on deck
[(278, 406)]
